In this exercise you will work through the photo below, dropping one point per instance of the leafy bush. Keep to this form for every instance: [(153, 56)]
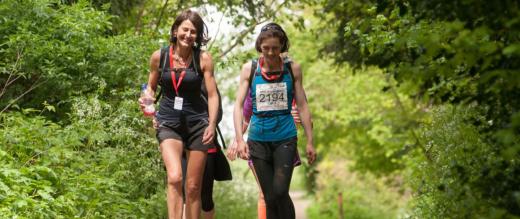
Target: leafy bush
[(453, 57), (466, 176), (97, 166), (53, 52)]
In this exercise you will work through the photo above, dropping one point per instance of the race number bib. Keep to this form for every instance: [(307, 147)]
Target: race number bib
[(272, 96)]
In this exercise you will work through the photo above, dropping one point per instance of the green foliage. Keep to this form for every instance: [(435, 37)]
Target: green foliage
[(363, 123), (53, 52), (363, 195), (236, 198), (442, 50), (86, 154), (462, 53), (123, 11), (97, 166), (455, 183)]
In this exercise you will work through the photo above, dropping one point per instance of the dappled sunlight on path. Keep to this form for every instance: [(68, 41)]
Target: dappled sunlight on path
[(301, 202)]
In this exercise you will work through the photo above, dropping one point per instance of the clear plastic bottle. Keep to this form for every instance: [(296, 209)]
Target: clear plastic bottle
[(147, 98)]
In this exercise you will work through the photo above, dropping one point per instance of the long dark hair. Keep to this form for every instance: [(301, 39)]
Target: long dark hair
[(196, 20), (272, 30)]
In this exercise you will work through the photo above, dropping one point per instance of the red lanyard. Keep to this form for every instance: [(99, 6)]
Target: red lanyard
[(270, 77), (176, 84)]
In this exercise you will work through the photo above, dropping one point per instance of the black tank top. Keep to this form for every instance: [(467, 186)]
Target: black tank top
[(194, 108)]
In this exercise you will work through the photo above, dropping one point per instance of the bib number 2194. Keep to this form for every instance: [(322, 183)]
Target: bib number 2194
[(272, 96)]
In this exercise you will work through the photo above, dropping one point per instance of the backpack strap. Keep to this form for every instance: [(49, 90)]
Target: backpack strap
[(254, 64), (219, 132), (204, 93), (196, 62), (162, 67), (162, 61), (288, 64), (219, 118)]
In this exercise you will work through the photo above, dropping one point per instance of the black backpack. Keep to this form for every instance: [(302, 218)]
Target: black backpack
[(204, 93)]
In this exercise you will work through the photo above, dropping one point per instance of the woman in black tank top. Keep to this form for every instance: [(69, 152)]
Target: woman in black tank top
[(194, 108), (184, 123)]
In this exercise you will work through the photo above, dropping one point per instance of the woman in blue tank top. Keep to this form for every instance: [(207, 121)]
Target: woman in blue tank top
[(272, 134)]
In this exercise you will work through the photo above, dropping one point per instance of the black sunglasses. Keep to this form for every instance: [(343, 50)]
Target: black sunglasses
[(270, 27)]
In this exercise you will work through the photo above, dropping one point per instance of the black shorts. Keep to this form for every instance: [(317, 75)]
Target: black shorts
[(189, 133), (264, 149)]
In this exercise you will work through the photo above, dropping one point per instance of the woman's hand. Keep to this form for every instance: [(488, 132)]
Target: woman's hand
[(155, 124), (231, 151), (141, 101), (296, 115), (311, 153), (243, 149), (209, 134)]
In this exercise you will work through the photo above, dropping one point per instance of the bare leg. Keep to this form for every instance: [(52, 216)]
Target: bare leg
[(171, 151), (261, 209), (196, 164), (208, 207), (208, 214)]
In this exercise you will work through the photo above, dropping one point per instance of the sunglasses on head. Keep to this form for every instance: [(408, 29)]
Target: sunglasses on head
[(269, 27)]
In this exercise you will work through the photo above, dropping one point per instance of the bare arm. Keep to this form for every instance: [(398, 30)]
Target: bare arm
[(153, 76), (231, 152), (213, 103), (303, 110), (238, 117)]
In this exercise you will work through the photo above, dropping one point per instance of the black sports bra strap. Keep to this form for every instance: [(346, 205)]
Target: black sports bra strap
[(254, 64), (162, 66)]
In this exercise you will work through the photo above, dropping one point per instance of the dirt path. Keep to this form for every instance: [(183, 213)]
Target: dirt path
[(300, 203)]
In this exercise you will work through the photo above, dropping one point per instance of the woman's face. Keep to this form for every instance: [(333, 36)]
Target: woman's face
[(186, 34), (271, 48)]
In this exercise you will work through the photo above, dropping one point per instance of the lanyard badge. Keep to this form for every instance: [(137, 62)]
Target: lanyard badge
[(176, 84)]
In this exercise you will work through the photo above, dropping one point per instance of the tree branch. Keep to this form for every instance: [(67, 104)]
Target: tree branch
[(250, 29), (406, 115), (138, 22), (216, 34), (239, 39), (158, 23), (33, 86), (8, 82)]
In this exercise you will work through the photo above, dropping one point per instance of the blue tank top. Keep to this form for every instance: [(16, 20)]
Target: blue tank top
[(271, 120)]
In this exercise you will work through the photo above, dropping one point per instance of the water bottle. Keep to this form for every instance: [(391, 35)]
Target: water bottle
[(146, 97)]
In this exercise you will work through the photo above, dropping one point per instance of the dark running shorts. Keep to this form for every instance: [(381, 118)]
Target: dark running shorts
[(264, 150), (297, 161), (189, 134)]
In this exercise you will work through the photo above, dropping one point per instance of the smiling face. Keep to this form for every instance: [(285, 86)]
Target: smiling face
[(186, 34), (271, 48), (189, 29)]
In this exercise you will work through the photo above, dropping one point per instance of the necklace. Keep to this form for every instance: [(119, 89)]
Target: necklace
[(182, 61)]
